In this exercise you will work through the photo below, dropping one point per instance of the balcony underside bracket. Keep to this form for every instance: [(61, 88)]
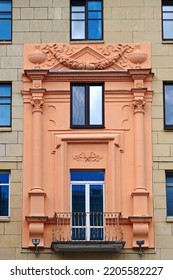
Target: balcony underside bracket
[(68, 246)]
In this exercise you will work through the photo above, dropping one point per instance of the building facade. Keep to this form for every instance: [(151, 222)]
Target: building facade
[(85, 129)]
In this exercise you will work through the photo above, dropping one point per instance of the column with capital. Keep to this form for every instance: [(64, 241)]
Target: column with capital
[(36, 216), (140, 218)]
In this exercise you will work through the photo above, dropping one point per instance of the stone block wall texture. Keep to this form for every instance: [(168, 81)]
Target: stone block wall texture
[(48, 21)]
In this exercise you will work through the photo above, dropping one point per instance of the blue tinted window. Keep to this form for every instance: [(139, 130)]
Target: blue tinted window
[(167, 19), (4, 194), (87, 205), (82, 12), (4, 178), (94, 5), (87, 176), (168, 105), (5, 20), (5, 104), (169, 193), (94, 29)]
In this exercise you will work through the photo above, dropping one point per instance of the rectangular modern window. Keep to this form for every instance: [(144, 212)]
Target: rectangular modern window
[(167, 19), (5, 20), (5, 104), (86, 19), (4, 193), (168, 105), (169, 193), (87, 105), (87, 195)]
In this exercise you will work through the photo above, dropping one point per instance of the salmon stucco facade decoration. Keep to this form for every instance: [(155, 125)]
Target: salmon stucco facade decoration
[(87, 176)]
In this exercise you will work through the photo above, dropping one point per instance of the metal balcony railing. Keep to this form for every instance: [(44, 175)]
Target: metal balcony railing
[(88, 227)]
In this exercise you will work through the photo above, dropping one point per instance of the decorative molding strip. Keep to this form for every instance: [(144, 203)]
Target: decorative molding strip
[(91, 157)]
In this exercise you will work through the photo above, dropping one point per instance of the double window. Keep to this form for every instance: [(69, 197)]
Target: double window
[(5, 104), (87, 105), (86, 20), (4, 193), (167, 19), (87, 194), (5, 20), (168, 105), (169, 193)]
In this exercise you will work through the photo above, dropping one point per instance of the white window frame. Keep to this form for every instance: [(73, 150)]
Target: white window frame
[(5, 184), (87, 204)]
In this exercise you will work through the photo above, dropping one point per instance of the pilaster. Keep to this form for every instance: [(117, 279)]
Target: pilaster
[(140, 194)]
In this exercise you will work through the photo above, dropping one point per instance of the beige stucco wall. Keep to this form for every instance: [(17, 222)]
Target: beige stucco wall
[(48, 21)]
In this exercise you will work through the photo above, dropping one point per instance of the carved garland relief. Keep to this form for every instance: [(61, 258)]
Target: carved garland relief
[(122, 56)]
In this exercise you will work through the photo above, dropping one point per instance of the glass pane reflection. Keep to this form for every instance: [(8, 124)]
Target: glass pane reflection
[(95, 105), (78, 99), (169, 104), (78, 29)]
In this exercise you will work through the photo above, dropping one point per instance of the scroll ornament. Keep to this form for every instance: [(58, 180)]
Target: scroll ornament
[(92, 157)]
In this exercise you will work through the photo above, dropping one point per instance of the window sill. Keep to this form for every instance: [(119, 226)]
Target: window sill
[(87, 42), (6, 42), (167, 42), (169, 219), (5, 129), (4, 219)]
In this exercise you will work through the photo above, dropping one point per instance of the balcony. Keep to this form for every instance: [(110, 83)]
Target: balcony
[(83, 231)]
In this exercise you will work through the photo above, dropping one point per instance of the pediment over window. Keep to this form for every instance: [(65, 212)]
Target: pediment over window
[(87, 57)]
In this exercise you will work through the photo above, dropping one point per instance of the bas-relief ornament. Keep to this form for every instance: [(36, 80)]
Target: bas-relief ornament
[(120, 56), (137, 56), (92, 157), (37, 104), (37, 56), (52, 117), (139, 105)]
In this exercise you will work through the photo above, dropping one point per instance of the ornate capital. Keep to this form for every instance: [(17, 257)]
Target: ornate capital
[(37, 104), (139, 105)]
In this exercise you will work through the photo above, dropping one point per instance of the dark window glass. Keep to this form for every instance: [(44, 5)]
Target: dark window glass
[(87, 20), (168, 105), (4, 193), (169, 193), (5, 104), (5, 20), (167, 19), (87, 106)]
